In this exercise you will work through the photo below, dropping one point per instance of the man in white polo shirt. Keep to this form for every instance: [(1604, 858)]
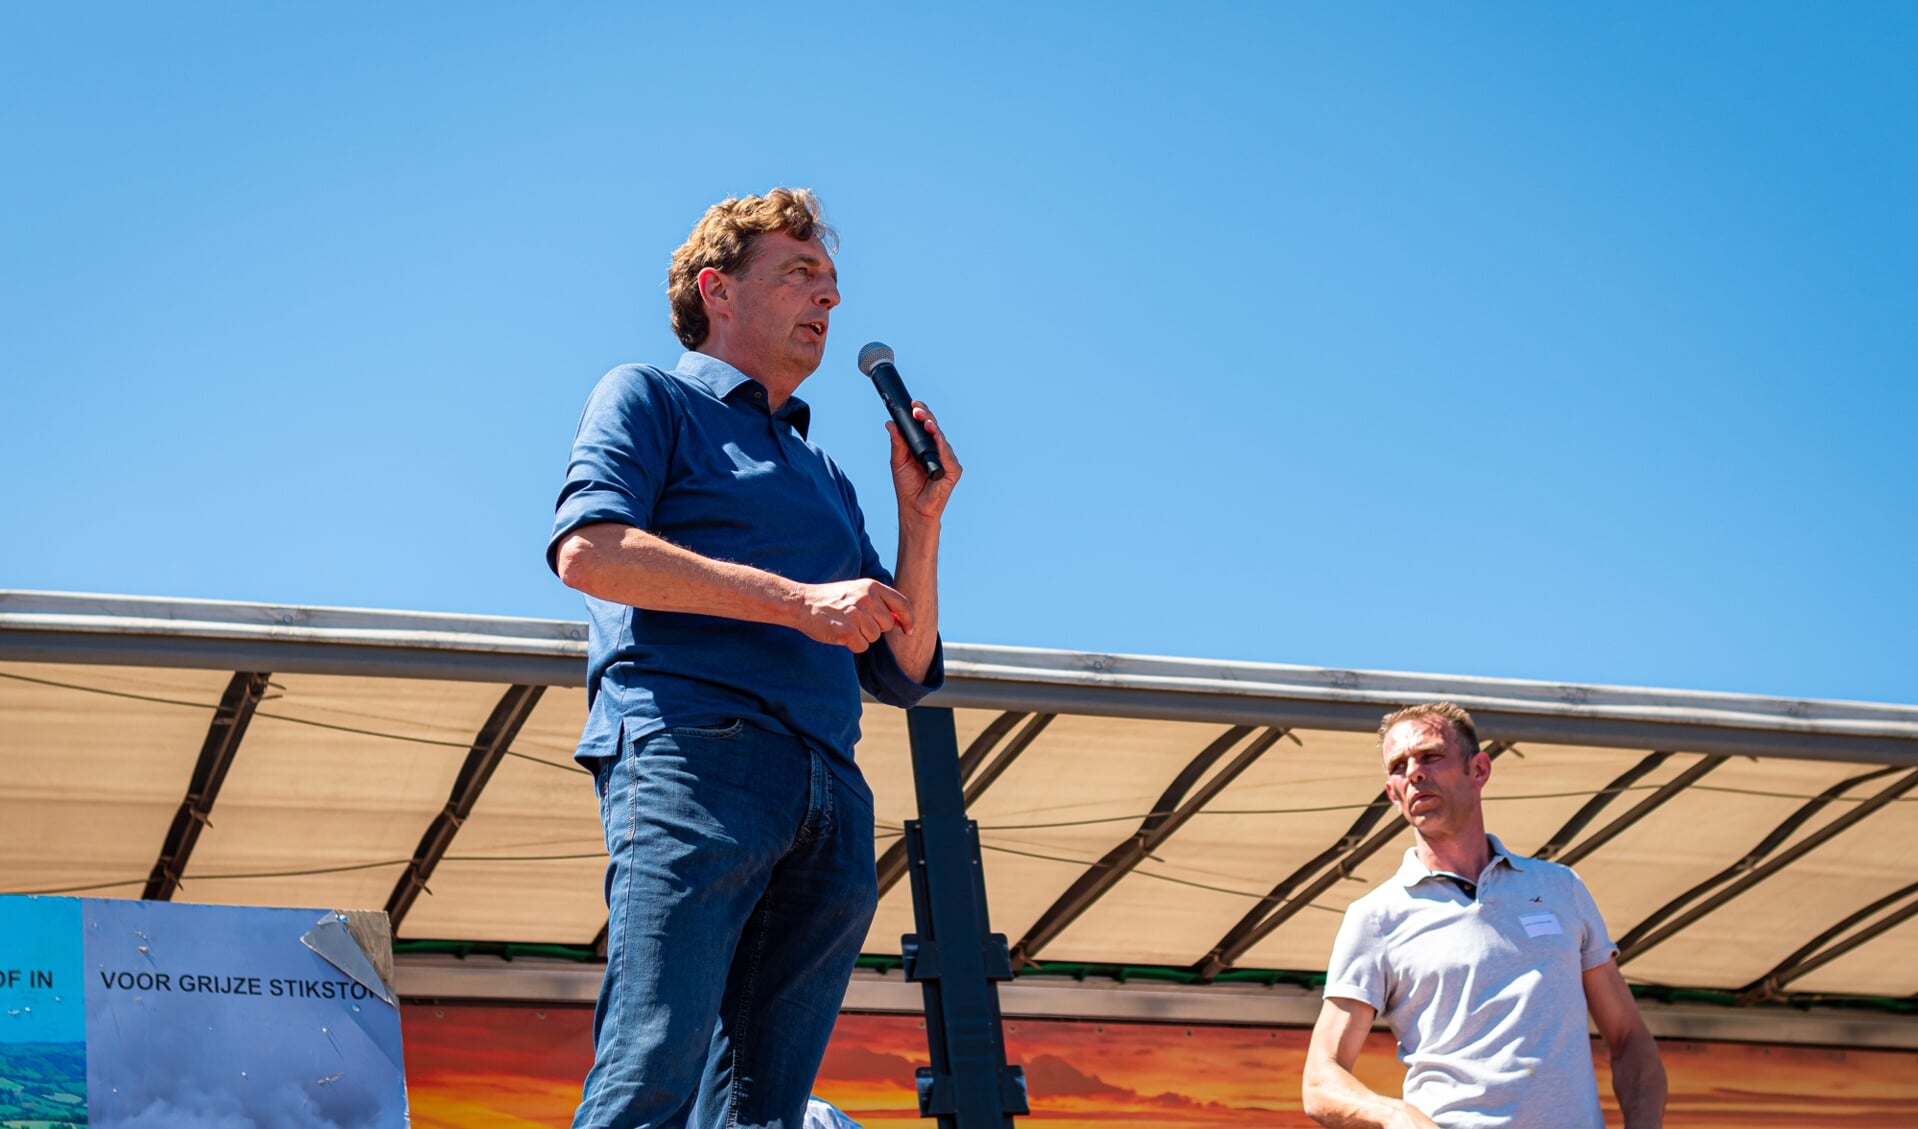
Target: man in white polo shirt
[(1483, 962)]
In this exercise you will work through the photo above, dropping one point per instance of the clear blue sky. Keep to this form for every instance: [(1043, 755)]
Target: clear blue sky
[(1510, 339)]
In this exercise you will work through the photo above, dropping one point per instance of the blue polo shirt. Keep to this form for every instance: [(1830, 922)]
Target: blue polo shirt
[(694, 456)]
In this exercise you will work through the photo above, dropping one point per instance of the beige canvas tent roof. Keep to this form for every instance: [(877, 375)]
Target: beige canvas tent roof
[(1185, 816)]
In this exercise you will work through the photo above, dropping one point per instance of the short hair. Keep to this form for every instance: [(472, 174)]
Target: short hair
[(725, 239), (1452, 715)]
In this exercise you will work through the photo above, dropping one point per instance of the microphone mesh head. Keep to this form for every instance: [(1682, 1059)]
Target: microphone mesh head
[(875, 353)]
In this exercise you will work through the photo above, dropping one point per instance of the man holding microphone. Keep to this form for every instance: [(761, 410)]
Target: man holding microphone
[(737, 608)]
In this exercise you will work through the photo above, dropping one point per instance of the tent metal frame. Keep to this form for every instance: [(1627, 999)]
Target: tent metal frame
[(1182, 799), (211, 634), (490, 747), (891, 866), (1666, 922), (223, 736)]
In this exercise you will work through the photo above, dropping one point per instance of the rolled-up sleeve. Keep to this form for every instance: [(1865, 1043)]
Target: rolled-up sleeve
[(880, 676), (620, 457)]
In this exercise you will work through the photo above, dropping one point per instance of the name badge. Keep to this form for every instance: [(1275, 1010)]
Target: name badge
[(1540, 924)]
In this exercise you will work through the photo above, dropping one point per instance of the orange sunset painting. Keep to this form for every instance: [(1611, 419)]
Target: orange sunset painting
[(502, 1067)]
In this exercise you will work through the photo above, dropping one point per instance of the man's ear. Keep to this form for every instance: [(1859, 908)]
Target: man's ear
[(713, 288), (1481, 768)]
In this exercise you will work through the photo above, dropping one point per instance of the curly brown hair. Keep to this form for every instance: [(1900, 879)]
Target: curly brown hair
[(1453, 716), (725, 238)]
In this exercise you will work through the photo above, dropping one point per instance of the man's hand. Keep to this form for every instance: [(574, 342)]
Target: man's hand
[(921, 502), (921, 497), (852, 613)]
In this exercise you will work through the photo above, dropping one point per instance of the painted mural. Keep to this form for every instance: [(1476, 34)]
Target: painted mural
[(496, 1067)]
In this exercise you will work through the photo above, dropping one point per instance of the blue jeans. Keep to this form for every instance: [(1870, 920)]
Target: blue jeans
[(739, 891)]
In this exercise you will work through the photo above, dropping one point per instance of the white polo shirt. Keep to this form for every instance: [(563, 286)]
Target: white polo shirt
[(1483, 993)]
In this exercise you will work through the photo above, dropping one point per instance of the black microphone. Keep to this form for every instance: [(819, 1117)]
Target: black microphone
[(875, 360)]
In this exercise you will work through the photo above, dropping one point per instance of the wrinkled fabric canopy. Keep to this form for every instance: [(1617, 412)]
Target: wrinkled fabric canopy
[(1132, 810)]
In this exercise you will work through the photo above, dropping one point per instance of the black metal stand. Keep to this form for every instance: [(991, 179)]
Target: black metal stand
[(953, 957)]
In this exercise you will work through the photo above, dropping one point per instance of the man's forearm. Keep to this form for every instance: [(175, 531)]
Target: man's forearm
[(1638, 1080), (917, 578), (625, 565), (630, 566), (1336, 1099)]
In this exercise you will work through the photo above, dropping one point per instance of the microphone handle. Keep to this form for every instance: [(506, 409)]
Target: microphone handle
[(885, 377)]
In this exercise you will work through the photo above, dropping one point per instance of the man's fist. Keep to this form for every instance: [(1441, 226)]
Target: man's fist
[(852, 613)]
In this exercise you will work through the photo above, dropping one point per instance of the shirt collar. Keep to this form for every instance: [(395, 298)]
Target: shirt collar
[(1411, 872), (724, 381)]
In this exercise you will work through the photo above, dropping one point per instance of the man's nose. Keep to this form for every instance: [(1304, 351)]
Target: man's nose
[(828, 295)]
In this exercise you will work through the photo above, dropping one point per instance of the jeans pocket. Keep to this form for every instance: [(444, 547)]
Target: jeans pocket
[(717, 733)]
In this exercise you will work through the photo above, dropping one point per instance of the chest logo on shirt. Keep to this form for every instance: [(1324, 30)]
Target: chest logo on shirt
[(1540, 924), (745, 464)]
